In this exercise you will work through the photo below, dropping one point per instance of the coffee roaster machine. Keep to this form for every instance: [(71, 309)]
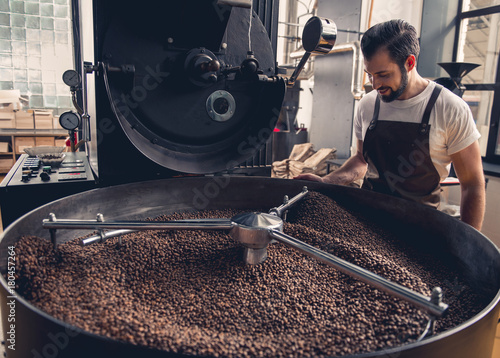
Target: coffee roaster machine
[(192, 87), (189, 87)]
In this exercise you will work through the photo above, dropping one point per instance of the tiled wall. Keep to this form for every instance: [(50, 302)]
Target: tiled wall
[(36, 47)]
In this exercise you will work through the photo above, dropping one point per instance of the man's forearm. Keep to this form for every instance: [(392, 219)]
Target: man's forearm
[(353, 169), (472, 205)]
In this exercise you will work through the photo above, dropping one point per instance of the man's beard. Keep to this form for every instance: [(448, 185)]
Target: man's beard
[(395, 94)]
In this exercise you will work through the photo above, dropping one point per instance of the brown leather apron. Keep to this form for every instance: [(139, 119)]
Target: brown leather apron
[(398, 157)]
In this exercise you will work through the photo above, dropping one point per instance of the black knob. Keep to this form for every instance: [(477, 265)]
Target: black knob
[(249, 66), (45, 176), (212, 78)]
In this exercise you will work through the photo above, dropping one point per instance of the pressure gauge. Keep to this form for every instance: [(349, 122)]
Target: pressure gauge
[(71, 78), (69, 120)]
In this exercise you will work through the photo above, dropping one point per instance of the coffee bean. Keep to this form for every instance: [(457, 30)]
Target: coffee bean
[(189, 292)]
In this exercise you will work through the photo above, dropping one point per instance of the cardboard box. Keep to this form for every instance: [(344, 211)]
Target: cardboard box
[(9, 106), (9, 103), (10, 100), (43, 118), (39, 141), (23, 142), (25, 120), (6, 164), (4, 147), (10, 95), (7, 120)]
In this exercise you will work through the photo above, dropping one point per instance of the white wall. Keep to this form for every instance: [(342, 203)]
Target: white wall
[(384, 10)]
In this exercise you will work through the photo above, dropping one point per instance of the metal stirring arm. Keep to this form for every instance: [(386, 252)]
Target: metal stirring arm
[(125, 227), (433, 305), (199, 224), (288, 203)]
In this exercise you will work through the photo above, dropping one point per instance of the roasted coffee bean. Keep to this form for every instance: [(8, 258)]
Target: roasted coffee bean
[(190, 292)]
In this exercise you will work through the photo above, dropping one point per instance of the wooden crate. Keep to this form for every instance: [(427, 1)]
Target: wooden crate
[(10, 100), (7, 120), (60, 142), (23, 142), (56, 124), (39, 141), (43, 118), (4, 147), (6, 164), (25, 120), (9, 104)]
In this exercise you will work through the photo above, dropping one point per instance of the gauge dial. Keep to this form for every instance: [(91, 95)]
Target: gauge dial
[(69, 120), (71, 78)]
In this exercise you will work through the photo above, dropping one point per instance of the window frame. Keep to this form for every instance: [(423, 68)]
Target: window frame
[(493, 132)]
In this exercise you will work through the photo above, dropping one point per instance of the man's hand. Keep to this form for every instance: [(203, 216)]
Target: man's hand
[(353, 169), (308, 176)]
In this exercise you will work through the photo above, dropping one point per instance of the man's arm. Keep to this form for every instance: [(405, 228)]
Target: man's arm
[(469, 169), (353, 169)]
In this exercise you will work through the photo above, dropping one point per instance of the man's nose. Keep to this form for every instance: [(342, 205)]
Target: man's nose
[(376, 83)]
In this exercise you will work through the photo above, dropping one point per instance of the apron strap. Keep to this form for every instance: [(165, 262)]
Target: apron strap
[(373, 122), (424, 125)]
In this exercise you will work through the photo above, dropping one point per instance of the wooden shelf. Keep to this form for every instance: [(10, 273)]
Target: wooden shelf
[(33, 132), (14, 134)]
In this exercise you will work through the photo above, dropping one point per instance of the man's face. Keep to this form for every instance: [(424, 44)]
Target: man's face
[(386, 76)]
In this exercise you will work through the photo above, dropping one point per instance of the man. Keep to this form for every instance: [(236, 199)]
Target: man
[(409, 130)]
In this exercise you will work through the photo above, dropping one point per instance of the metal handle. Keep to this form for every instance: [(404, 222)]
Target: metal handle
[(209, 224), (87, 68), (289, 203), (103, 236), (291, 81), (426, 303)]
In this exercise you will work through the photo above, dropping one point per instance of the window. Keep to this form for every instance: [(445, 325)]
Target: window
[(36, 47), (478, 41), (477, 4)]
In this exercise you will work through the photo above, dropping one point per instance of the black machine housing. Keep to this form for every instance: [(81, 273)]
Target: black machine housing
[(161, 68)]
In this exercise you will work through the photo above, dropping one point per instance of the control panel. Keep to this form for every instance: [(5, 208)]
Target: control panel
[(32, 183), (31, 170)]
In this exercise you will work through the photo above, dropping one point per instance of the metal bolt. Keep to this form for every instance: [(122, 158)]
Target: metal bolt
[(437, 295)]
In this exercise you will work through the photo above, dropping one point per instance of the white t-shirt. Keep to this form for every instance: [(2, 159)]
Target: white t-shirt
[(452, 125)]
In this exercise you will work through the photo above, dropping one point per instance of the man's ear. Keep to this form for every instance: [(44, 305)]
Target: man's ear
[(410, 62)]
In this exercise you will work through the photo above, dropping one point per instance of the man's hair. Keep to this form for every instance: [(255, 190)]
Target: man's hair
[(397, 36)]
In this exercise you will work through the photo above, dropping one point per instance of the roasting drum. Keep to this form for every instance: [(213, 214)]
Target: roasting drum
[(168, 123), (476, 256), (187, 86)]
